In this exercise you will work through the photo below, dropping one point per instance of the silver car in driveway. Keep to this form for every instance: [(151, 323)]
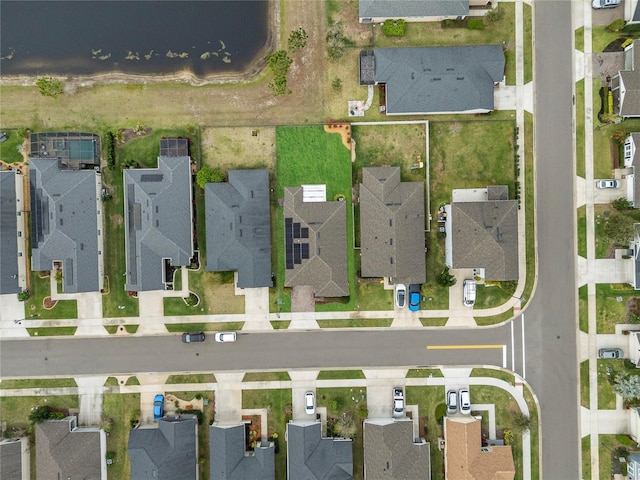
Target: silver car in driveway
[(608, 184), (610, 353)]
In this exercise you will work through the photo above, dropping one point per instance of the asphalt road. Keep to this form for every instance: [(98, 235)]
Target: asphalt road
[(548, 361)]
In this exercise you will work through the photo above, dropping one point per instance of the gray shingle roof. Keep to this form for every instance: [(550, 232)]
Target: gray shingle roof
[(66, 452), (635, 161), (239, 228), (391, 226), (228, 459), (390, 452), (8, 233), (485, 235), (629, 105), (412, 8), (158, 213), (326, 268), (311, 457), (11, 459), (165, 453), (64, 223), (439, 79)]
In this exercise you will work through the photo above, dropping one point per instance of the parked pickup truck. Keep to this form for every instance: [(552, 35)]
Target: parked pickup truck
[(398, 402)]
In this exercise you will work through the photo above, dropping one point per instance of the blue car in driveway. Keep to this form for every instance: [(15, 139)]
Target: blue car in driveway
[(414, 297), (158, 407)]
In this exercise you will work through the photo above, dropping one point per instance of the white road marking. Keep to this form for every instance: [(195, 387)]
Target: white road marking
[(513, 352), (504, 356)]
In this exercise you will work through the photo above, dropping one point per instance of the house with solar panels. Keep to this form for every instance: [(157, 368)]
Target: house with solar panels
[(158, 218), (315, 241)]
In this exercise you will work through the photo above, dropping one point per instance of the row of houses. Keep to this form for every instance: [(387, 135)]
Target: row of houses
[(170, 452), (67, 224)]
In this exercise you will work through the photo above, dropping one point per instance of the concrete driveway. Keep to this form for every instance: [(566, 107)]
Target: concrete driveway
[(604, 16), (89, 305), (608, 195)]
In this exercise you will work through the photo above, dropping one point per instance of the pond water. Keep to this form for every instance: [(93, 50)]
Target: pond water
[(135, 37)]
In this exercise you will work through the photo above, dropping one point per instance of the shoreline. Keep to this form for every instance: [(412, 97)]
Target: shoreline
[(253, 69)]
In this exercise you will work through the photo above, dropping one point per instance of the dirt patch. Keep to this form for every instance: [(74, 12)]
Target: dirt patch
[(127, 134), (195, 404), (343, 130), (302, 299), (116, 220), (225, 148)]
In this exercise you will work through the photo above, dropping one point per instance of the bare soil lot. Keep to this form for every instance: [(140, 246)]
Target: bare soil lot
[(226, 148)]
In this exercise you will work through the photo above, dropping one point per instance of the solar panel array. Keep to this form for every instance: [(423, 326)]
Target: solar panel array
[(295, 249)]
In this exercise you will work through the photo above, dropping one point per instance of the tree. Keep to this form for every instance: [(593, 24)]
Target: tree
[(345, 426), (627, 386), (336, 41), (50, 87), (279, 62), (208, 175), (445, 279), (622, 204), (297, 40), (39, 414), (619, 228)]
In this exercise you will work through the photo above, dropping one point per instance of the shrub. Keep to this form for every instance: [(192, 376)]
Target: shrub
[(441, 409), (208, 175), (22, 296), (363, 411), (622, 204), (336, 41), (108, 149), (508, 437), (394, 28), (24, 132), (495, 15), (616, 25), (475, 24), (297, 40), (39, 414), (445, 279), (336, 84), (50, 87), (632, 27), (197, 413)]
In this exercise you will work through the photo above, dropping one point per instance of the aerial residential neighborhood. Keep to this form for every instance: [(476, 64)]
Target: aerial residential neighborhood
[(330, 239)]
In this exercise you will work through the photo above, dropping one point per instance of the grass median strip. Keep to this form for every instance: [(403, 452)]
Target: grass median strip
[(356, 323), (39, 383), (203, 327), (51, 331)]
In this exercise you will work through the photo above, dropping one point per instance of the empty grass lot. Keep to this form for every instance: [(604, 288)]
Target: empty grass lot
[(609, 310), (279, 404)]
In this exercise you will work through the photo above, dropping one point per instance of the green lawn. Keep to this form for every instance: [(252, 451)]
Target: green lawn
[(266, 377), (114, 239), (580, 168), (424, 373), (279, 404), (146, 149), (427, 399), (10, 149), (194, 378), (583, 308), (606, 395), (215, 291), (601, 37), (609, 310), (494, 294), (584, 384), (356, 323), (606, 446), (38, 383), (40, 288), (528, 42), (433, 34), (340, 374), (309, 155), (346, 403), (433, 321), (280, 324), (15, 410), (51, 331), (495, 319), (529, 208), (579, 39), (582, 231), (117, 412), (205, 327), (586, 457), (493, 373)]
